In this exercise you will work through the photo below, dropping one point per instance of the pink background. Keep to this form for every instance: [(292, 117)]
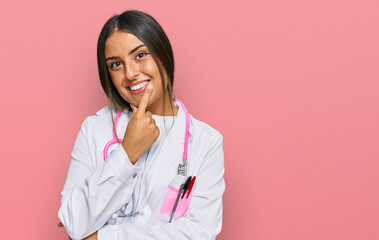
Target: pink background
[(291, 84)]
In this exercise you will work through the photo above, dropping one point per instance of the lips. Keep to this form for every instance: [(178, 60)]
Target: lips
[(136, 83), (135, 92)]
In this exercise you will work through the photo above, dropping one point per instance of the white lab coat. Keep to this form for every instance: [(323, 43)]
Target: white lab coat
[(95, 189)]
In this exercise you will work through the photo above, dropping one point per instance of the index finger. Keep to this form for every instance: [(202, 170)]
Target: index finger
[(145, 99)]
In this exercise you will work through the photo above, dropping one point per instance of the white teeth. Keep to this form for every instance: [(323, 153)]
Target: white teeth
[(138, 86)]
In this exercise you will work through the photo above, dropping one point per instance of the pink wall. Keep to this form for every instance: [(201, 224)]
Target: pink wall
[(292, 85)]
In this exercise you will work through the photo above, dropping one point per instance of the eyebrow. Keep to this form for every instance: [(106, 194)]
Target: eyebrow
[(132, 51)]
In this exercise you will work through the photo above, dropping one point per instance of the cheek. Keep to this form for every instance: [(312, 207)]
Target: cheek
[(116, 79), (150, 68)]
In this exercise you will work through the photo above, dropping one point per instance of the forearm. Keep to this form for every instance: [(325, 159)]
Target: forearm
[(185, 228), (203, 220), (87, 204)]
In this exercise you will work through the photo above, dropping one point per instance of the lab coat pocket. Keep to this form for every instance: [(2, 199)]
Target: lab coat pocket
[(169, 202)]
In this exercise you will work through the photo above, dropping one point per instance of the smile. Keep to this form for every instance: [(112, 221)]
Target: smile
[(138, 88)]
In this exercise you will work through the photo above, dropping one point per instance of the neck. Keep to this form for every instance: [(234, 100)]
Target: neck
[(157, 108)]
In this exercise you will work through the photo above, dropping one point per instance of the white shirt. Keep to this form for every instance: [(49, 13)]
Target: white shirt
[(96, 189)]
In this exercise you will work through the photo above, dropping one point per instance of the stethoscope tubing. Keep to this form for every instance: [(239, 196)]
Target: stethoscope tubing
[(116, 140), (187, 129)]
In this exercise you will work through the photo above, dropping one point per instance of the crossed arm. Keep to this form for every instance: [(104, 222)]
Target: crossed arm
[(205, 203)]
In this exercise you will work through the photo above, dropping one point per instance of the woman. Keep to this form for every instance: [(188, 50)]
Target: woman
[(140, 186)]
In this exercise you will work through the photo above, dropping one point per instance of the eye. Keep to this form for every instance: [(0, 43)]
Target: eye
[(141, 55), (115, 65)]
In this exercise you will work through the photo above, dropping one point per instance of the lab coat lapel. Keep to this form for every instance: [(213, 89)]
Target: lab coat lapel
[(169, 152)]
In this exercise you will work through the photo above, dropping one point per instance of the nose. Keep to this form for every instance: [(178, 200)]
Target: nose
[(131, 70)]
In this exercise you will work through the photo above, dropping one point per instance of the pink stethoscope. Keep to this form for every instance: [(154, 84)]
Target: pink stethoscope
[(182, 168)]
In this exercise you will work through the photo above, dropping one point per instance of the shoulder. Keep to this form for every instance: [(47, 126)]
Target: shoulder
[(104, 114), (205, 132), (100, 118), (207, 149)]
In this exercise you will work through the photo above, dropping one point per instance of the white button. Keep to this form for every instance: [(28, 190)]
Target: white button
[(135, 175), (114, 215)]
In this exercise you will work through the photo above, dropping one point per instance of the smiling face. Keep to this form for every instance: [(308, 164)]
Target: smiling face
[(132, 68)]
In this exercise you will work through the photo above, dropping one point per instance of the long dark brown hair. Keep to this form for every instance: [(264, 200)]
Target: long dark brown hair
[(148, 30)]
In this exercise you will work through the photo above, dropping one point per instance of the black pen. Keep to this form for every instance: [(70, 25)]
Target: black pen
[(186, 185)]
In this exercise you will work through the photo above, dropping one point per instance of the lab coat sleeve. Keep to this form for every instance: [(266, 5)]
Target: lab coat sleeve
[(203, 219), (93, 192)]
